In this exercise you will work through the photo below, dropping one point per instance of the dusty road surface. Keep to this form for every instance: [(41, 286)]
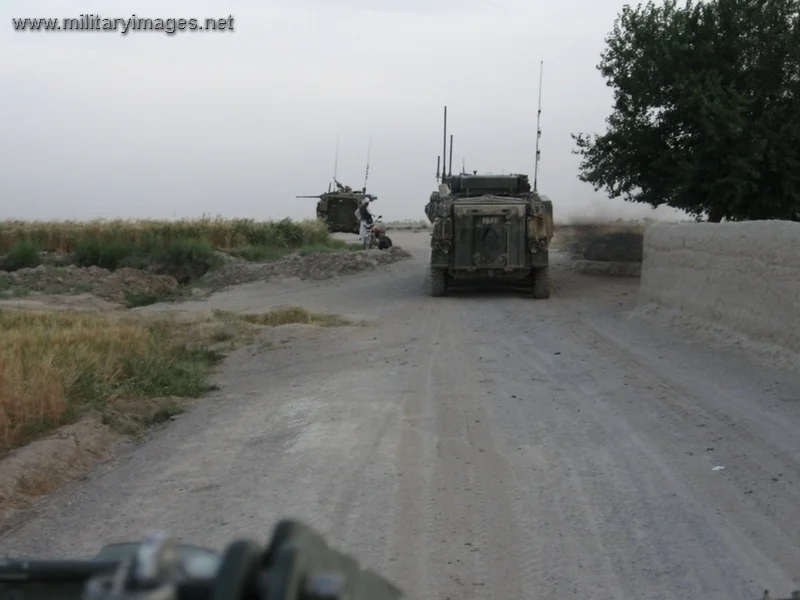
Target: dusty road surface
[(480, 446)]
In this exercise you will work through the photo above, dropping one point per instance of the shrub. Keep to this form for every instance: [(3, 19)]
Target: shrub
[(22, 255), (55, 365)]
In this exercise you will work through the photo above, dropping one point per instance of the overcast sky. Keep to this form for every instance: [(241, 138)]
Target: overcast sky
[(97, 124)]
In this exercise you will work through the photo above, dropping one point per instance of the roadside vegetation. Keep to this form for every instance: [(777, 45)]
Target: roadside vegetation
[(295, 315), (135, 369), (132, 370), (706, 113), (143, 250), (122, 238), (54, 366)]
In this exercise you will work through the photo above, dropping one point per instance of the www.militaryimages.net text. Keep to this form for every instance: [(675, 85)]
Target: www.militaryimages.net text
[(92, 22)]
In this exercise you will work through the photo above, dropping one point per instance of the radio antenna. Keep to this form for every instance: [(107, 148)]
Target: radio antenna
[(366, 173), (444, 146), (336, 159), (538, 131), (450, 168)]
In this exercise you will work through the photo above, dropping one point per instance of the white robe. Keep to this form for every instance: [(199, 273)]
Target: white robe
[(363, 231)]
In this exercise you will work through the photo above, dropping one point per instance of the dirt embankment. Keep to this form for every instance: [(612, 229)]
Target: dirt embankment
[(54, 283), (105, 284), (318, 267)]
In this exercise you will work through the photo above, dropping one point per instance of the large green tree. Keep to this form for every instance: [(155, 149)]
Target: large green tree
[(706, 113)]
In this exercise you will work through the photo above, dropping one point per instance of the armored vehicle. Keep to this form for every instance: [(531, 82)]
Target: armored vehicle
[(337, 208), (490, 227)]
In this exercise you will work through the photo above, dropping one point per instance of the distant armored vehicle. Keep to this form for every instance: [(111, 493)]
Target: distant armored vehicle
[(337, 208)]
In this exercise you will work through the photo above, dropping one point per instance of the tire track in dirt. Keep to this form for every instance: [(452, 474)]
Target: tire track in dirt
[(408, 543), (476, 505), (601, 497), (693, 518), (392, 366), (551, 505), (759, 518)]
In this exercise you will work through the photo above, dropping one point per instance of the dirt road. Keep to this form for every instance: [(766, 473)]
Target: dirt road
[(482, 446)]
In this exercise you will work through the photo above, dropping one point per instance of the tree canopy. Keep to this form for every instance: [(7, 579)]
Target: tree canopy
[(706, 114)]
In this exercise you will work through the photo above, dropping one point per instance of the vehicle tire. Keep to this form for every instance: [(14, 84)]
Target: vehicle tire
[(438, 282), (541, 283), (384, 243)]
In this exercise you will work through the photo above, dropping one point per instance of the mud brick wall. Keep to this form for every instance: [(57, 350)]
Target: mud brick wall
[(744, 277)]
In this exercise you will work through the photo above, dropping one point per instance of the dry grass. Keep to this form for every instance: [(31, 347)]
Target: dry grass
[(103, 377), (289, 315), (56, 365), (67, 236)]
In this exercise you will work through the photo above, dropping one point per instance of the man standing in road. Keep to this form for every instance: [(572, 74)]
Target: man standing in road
[(365, 219)]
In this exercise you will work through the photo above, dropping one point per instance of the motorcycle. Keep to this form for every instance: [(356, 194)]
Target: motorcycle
[(376, 237), (296, 564)]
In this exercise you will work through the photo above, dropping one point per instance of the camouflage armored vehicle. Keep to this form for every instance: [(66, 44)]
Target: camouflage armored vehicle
[(337, 208), (490, 228)]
